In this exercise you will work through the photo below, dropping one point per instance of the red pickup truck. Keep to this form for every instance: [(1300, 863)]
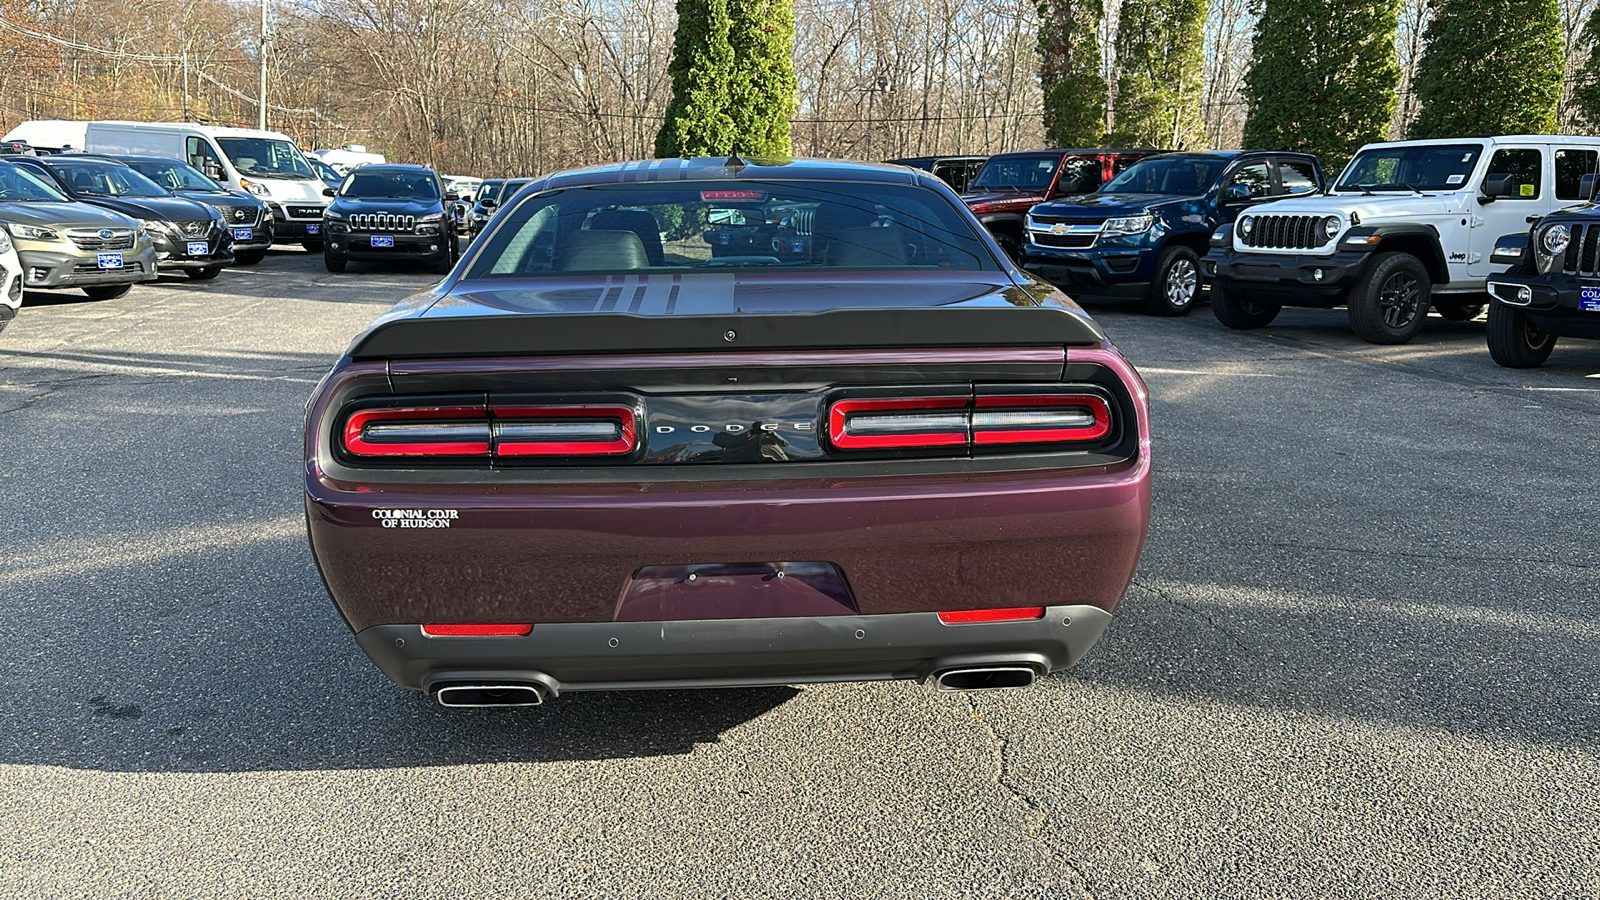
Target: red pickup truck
[(1010, 183)]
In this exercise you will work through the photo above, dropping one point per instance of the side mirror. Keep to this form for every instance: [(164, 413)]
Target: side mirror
[(489, 202), (1586, 186), (1497, 186), (1236, 193), (329, 192)]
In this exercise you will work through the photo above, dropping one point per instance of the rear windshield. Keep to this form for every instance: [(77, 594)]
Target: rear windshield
[(733, 225), (19, 185), (102, 180), (1016, 173), (365, 183), (1186, 176), (1435, 167)]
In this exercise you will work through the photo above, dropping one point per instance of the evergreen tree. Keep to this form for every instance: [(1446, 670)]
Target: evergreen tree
[(1069, 70), (698, 119), (762, 92), (1159, 51), (1323, 77), (1490, 67), (1586, 90)]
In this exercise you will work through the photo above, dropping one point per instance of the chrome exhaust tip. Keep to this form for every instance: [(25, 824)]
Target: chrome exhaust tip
[(490, 695), (985, 678)]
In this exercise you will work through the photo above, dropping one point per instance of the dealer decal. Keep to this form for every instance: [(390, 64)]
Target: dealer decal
[(416, 518)]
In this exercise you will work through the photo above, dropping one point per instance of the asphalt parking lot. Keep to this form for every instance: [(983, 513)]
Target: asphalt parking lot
[(1361, 657)]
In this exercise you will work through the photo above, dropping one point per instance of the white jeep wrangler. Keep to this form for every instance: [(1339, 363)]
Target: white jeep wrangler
[(1408, 224)]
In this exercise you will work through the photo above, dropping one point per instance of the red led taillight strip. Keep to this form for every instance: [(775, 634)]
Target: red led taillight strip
[(583, 429), (1007, 614), (458, 431), (883, 423), (623, 438), (1039, 418), (476, 630)]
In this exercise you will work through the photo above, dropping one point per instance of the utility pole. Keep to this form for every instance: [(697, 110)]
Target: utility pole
[(266, 38), (186, 82)]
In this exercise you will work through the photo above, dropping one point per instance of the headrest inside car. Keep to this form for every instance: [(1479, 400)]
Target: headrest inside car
[(585, 251)]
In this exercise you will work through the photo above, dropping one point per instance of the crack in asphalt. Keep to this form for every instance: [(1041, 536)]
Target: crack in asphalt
[(999, 744), (1167, 596)]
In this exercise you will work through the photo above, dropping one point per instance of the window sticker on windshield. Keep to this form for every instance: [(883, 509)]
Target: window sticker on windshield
[(1528, 190), (1455, 179), (1466, 157)]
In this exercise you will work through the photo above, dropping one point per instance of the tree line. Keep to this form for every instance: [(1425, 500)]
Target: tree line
[(1324, 76), (511, 87)]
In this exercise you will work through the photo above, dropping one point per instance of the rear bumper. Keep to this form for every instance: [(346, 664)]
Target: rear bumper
[(733, 652), (1552, 302), (567, 552)]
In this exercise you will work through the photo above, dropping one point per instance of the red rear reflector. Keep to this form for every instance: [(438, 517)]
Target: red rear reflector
[(1009, 614), (476, 630), (756, 196), (582, 430), (1039, 418), (882, 423), (418, 431)]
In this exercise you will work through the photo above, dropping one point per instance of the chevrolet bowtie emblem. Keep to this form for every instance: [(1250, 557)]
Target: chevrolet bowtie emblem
[(1059, 228)]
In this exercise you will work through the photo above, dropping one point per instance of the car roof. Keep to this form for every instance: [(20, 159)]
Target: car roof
[(396, 168), (707, 168), (1082, 151), (82, 158), (130, 158)]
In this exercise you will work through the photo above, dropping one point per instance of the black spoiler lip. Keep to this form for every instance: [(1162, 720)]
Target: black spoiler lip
[(837, 329)]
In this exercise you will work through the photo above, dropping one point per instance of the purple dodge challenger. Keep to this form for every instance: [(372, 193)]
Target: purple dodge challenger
[(709, 422)]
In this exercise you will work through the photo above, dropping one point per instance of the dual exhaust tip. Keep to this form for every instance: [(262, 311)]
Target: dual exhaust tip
[(486, 693)]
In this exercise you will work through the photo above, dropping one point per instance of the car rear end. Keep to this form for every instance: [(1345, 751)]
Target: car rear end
[(682, 480)]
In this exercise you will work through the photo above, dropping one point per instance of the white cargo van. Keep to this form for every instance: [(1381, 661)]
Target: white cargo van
[(49, 135), (264, 163)]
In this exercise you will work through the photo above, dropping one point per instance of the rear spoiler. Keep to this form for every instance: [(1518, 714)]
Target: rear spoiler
[(838, 329)]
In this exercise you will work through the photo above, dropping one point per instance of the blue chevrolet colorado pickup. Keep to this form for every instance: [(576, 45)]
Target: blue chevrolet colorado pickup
[(1142, 234)]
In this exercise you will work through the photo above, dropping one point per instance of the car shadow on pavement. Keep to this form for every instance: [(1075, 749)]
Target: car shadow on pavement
[(217, 650)]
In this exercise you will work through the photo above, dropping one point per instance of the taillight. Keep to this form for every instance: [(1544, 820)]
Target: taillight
[(1039, 418), (510, 431), (418, 431), (883, 423), (1007, 614), (993, 417), (597, 430), (473, 629)]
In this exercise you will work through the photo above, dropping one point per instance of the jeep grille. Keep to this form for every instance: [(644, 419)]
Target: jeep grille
[(382, 222), (1286, 233), (1582, 251)]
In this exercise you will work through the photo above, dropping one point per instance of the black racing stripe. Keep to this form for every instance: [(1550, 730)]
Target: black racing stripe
[(672, 295), (609, 302)]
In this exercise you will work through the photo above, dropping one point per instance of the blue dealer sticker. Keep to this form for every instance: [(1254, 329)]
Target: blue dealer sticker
[(1589, 299)]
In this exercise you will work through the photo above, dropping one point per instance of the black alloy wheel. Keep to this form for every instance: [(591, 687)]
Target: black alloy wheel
[(332, 263), (1391, 303)]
